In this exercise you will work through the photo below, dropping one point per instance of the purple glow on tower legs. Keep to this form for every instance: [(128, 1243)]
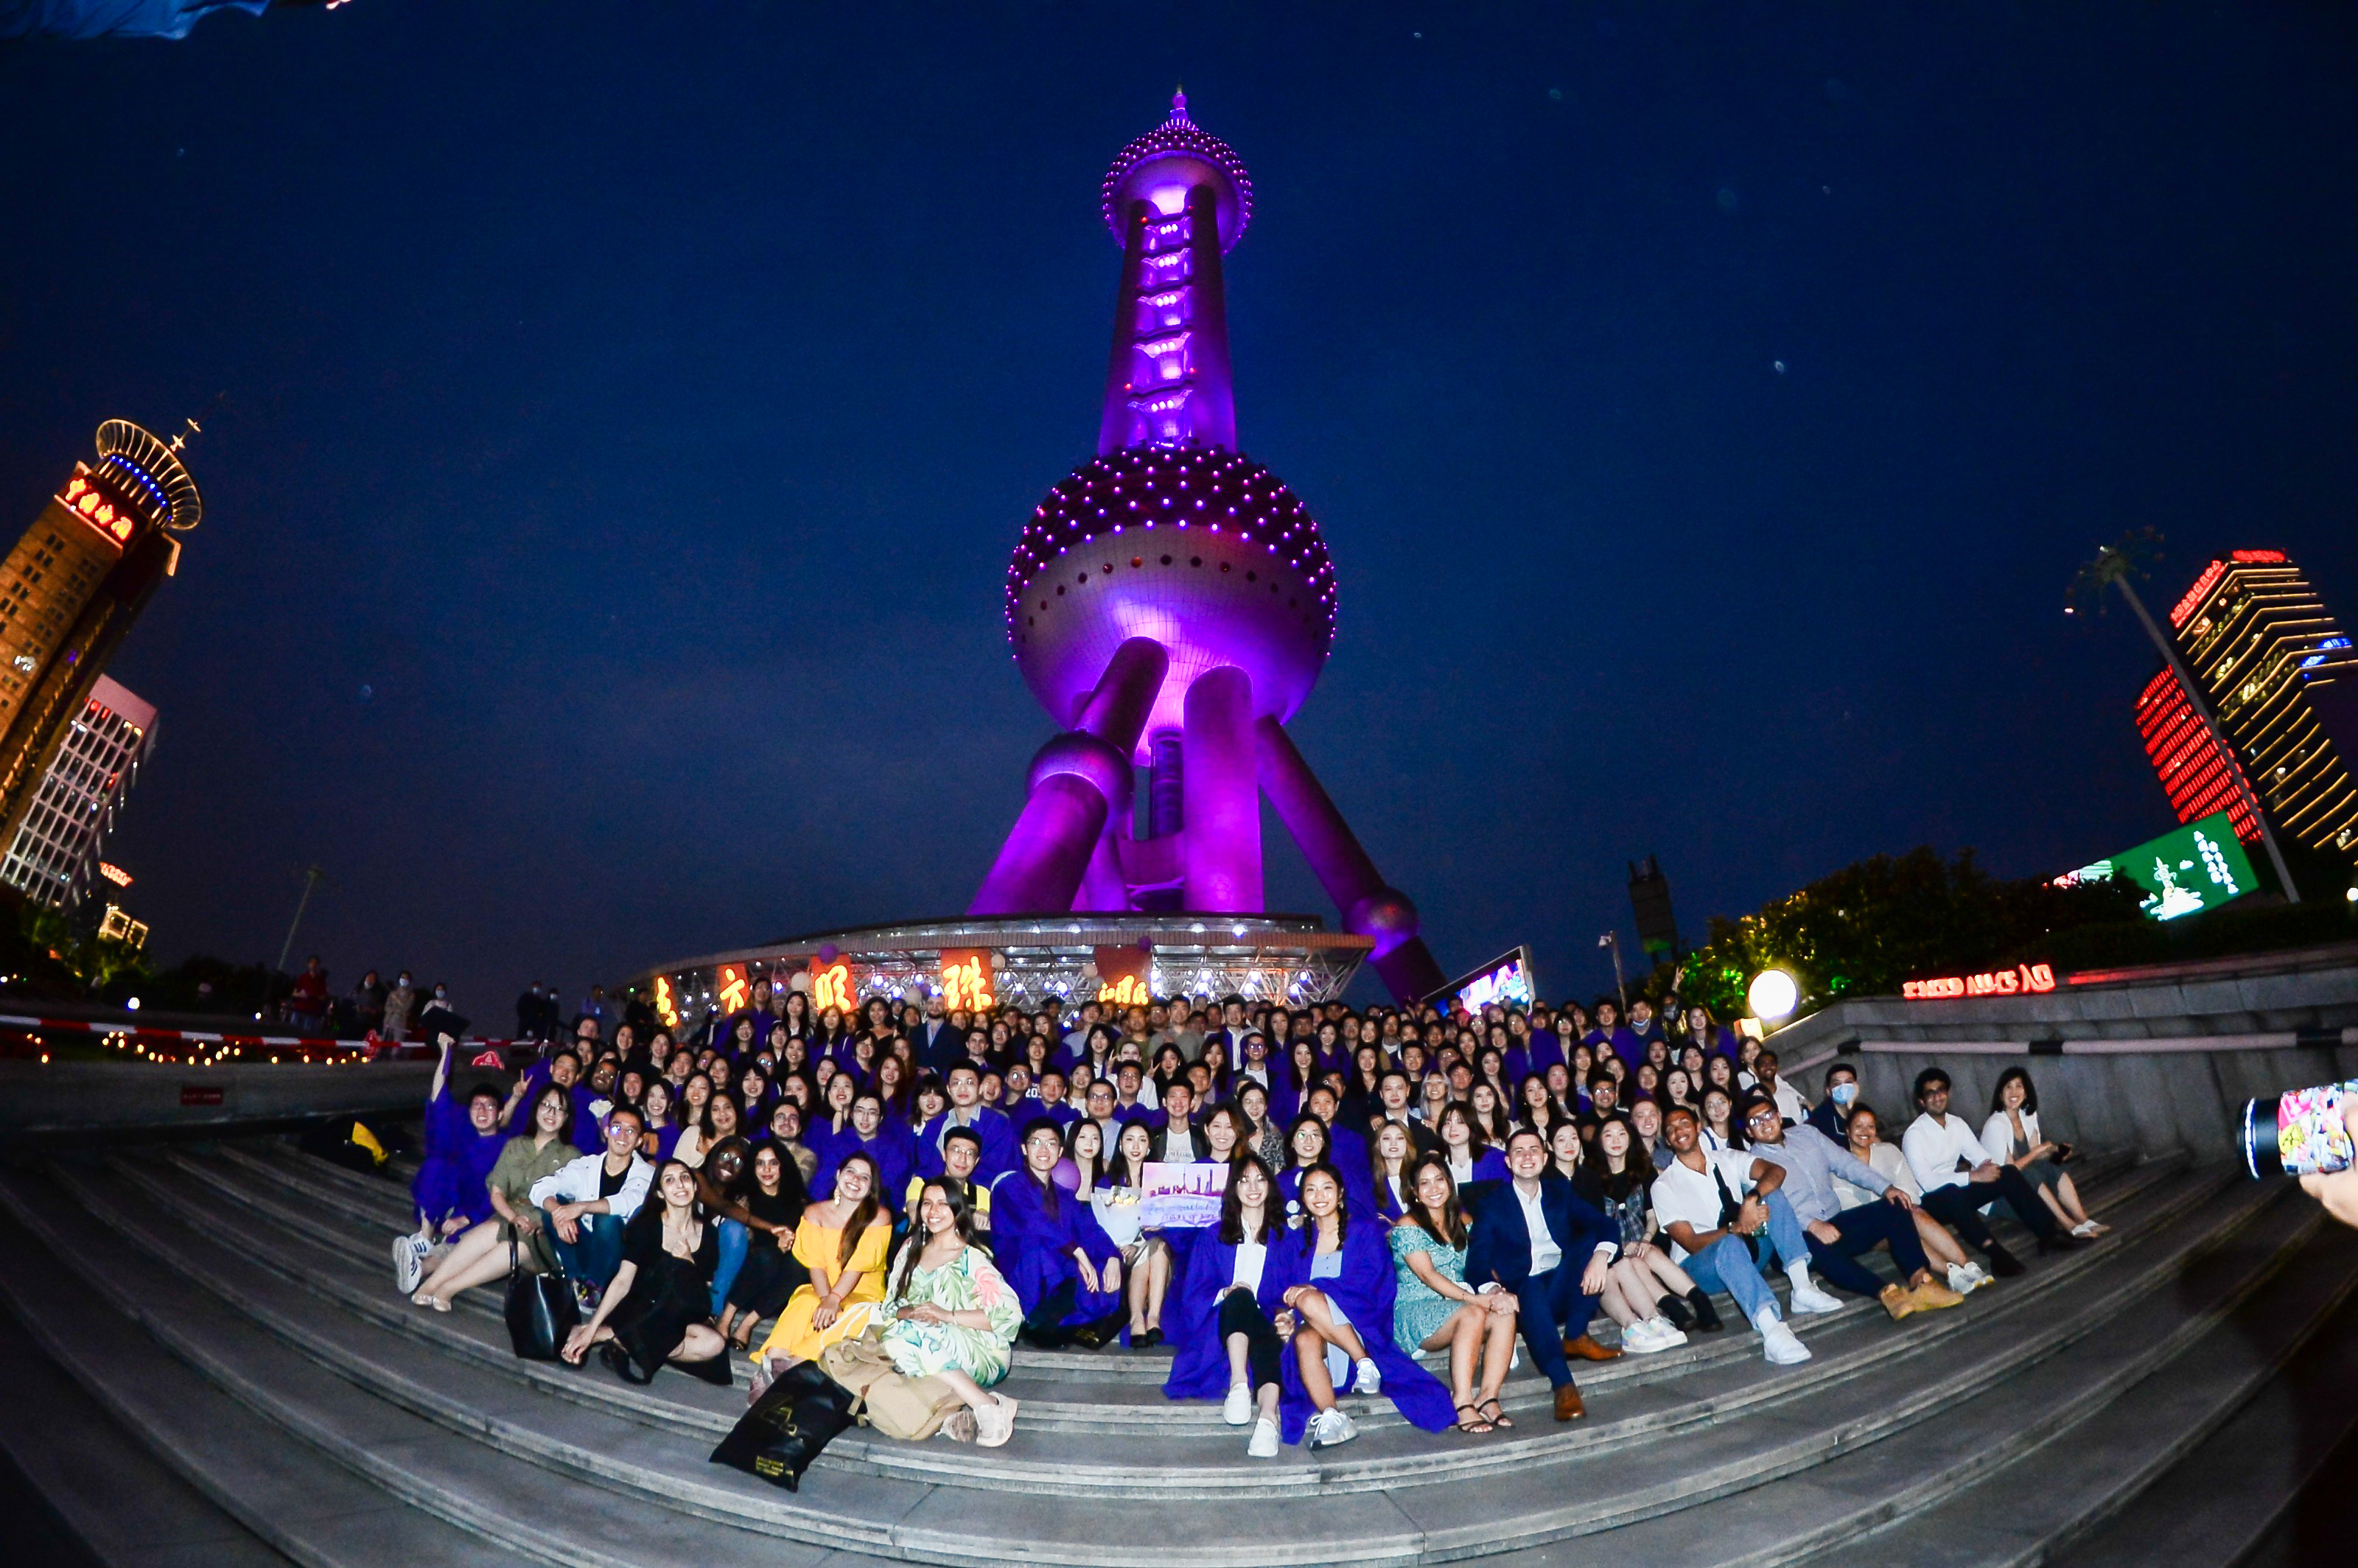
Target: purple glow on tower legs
[(1369, 907), (1223, 805), (1103, 890), (1040, 866), (1079, 781)]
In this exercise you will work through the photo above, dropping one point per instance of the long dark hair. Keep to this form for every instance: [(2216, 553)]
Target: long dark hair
[(864, 1215), (2029, 1091), (1232, 1208), (1326, 1137), (1324, 1167), (1453, 1215), (953, 1193), (1636, 1166)]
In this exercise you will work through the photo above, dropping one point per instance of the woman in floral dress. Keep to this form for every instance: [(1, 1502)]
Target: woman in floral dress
[(951, 1314)]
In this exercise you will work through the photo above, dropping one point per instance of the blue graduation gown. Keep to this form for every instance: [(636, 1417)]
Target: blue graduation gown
[(459, 1160), (1034, 1247), (998, 1135), (1366, 1291), (893, 1149)]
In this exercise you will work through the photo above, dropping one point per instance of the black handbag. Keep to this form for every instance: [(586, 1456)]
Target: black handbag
[(540, 1310), (796, 1416)]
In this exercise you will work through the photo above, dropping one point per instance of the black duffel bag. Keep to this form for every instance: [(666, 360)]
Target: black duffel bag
[(796, 1416), (540, 1310)]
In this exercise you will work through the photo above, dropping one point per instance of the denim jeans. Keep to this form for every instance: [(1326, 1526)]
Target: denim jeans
[(733, 1239), (1726, 1265), (595, 1255)]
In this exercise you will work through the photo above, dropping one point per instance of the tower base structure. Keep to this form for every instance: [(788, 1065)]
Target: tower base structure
[(1027, 962)]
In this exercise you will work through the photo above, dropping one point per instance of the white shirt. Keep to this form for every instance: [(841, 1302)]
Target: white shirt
[(1179, 1147), (1790, 1105), (1461, 1171), (1934, 1149), (1997, 1134), (1545, 1253), (1681, 1193), (1251, 1257), (1886, 1161), (577, 1182)]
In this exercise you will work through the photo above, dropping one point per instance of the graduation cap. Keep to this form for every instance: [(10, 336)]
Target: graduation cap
[(442, 1022)]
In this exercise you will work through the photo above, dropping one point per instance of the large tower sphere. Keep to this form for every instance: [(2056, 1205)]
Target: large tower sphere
[(1161, 167), (1205, 551)]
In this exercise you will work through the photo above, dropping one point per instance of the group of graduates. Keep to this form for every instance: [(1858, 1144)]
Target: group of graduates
[(1393, 1182)]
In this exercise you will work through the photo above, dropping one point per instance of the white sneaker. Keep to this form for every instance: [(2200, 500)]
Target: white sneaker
[(1780, 1344), (1650, 1336), (1330, 1427), (1808, 1298), (995, 1422), (409, 1262), (1966, 1278), (1239, 1410), (1264, 1441), (2085, 1227), (1371, 1380)]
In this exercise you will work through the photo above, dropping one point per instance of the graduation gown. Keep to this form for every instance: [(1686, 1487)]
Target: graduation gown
[(451, 1177), (1034, 1247)]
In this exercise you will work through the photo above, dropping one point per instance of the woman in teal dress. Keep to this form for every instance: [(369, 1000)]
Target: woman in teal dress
[(950, 1313), (1436, 1308)]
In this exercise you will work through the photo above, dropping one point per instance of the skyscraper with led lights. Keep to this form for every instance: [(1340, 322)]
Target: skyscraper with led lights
[(54, 856), (71, 589), (2283, 679), (1172, 602)]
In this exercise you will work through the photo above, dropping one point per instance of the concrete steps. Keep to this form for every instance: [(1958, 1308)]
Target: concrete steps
[(1390, 1455), (266, 1296)]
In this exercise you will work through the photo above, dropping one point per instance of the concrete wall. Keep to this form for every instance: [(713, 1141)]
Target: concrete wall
[(2156, 1102), (2155, 1065), (64, 1097)]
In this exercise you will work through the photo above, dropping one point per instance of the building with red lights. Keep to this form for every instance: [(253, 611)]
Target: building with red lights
[(2282, 680), (2199, 775), (70, 592)]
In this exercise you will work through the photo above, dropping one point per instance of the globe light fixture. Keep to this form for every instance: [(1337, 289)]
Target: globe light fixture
[(1772, 995)]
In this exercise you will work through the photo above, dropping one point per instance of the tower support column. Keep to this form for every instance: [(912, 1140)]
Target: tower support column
[(1222, 800), (1371, 908), (1079, 781)]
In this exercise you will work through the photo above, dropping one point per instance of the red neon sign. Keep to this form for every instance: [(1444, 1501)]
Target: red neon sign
[(734, 988), (2259, 557), (2023, 980), (94, 509), (2194, 595)]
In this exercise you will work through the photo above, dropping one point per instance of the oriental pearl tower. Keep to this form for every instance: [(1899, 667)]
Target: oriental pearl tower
[(1171, 602)]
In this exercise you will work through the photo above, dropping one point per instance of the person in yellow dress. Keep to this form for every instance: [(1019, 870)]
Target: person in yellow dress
[(842, 1242)]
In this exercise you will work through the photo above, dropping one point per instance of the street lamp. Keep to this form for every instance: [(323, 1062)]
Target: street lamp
[(1613, 940), (1772, 995)]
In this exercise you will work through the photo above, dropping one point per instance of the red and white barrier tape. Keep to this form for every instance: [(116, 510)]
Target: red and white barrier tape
[(368, 1047)]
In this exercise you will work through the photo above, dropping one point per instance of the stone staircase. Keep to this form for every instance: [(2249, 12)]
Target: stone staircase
[(228, 1309)]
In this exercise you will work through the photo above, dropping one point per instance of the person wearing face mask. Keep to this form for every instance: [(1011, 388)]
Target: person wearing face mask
[(399, 1003), (1832, 1115)]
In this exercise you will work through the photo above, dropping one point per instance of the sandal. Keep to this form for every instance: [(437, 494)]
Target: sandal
[(1499, 1420), (1475, 1424), (438, 1303)]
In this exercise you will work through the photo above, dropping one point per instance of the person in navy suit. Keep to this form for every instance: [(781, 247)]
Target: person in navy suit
[(938, 1042), (1537, 1238)]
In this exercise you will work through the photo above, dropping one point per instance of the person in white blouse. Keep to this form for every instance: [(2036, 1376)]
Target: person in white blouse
[(1959, 1178), (2010, 1137), (1864, 1134)]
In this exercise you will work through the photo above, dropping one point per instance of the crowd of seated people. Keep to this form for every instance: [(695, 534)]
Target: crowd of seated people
[(913, 1191)]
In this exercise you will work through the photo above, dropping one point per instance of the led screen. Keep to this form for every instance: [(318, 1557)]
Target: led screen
[(2200, 866)]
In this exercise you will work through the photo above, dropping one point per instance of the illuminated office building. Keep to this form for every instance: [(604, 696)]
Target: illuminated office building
[(2199, 775), (2283, 679), (54, 856), (71, 589)]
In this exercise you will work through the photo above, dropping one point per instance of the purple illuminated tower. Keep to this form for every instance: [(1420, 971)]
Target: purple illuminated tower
[(1172, 601)]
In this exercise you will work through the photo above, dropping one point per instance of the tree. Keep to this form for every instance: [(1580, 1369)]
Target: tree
[(1880, 920)]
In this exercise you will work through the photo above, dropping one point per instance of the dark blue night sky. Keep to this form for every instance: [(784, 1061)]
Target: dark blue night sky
[(629, 409)]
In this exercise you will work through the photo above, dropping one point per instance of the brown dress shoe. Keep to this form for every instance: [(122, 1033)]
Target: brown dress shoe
[(1587, 1349), (1568, 1406)]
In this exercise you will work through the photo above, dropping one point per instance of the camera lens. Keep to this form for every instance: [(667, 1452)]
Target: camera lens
[(2263, 1153)]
